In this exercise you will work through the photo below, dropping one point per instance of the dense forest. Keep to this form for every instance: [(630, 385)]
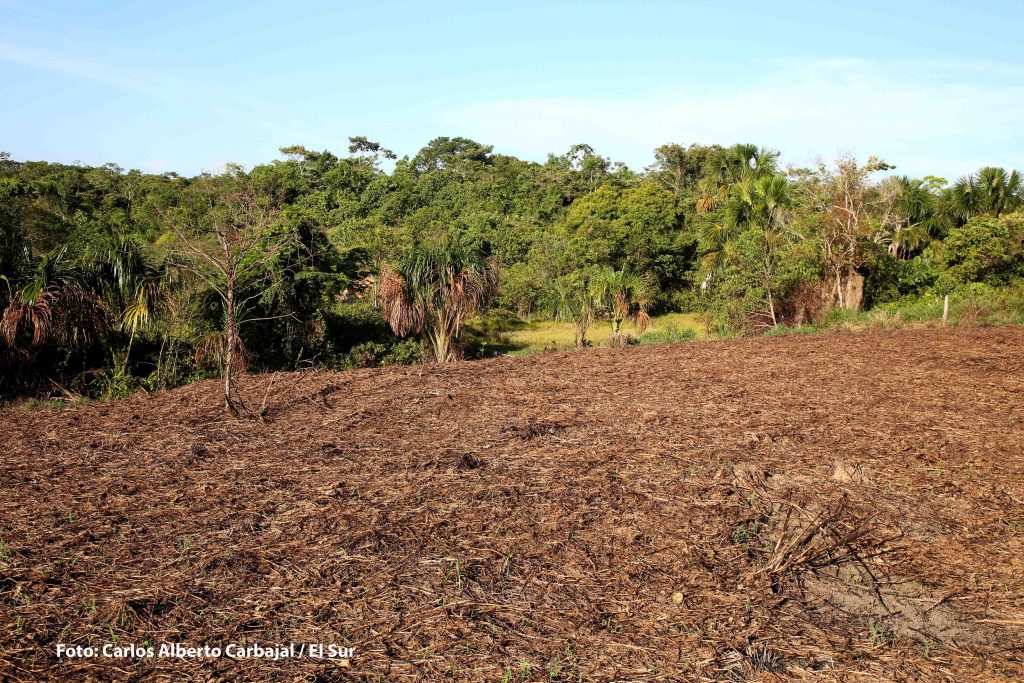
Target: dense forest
[(115, 280)]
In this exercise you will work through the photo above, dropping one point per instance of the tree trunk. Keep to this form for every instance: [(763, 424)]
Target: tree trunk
[(617, 332), (766, 263), (771, 301), (440, 340), (160, 361), (771, 306), (128, 352), (173, 353), (581, 334), (853, 296), (231, 337), (839, 289)]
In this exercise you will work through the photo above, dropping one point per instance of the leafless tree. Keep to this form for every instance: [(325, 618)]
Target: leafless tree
[(231, 240), (841, 196)]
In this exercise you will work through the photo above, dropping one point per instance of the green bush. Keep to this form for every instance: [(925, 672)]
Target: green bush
[(984, 250), (375, 354)]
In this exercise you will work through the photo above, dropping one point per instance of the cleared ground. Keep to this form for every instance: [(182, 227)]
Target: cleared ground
[(831, 507)]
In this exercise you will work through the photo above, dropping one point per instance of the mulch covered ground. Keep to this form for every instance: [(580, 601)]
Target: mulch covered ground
[(832, 507)]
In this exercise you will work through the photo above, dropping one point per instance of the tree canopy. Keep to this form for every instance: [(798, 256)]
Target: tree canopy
[(371, 258)]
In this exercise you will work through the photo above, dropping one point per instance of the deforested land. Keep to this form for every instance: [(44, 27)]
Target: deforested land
[(822, 507)]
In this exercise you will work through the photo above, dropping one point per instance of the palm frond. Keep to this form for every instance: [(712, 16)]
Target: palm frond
[(212, 348)]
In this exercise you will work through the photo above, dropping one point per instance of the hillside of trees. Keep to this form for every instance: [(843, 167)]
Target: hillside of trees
[(114, 280)]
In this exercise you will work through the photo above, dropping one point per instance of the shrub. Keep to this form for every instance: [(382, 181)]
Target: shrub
[(669, 334), (985, 250), (375, 354)]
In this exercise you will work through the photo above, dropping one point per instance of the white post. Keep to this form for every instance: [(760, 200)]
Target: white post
[(945, 309)]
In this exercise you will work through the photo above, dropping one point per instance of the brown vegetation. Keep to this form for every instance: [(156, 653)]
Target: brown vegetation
[(833, 507)]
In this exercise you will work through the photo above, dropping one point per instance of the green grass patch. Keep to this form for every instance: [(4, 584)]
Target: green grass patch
[(974, 304), (498, 333)]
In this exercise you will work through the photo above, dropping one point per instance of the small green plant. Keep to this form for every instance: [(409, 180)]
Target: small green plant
[(453, 573), (744, 533), (879, 635), (32, 404), (554, 670), (115, 384)]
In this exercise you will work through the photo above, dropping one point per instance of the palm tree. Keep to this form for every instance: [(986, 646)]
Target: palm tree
[(625, 296), (734, 165), (756, 203), (1001, 189), (911, 215), (129, 281), (574, 298), (432, 291), (990, 190), (52, 303)]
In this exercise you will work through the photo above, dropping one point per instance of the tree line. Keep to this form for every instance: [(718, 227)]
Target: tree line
[(115, 279)]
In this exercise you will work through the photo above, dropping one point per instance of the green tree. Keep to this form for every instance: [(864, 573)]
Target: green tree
[(625, 297), (985, 249), (576, 297), (990, 190), (679, 169), (432, 290), (758, 211)]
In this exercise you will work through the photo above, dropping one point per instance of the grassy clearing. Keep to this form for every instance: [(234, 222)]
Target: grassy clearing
[(503, 334), (972, 305), (499, 334)]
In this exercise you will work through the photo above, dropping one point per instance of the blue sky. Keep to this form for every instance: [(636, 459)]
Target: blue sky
[(933, 87)]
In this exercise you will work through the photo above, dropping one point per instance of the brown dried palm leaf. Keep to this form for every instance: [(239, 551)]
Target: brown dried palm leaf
[(22, 319), (67, 314), (404, 312), (212, 350), (79, 315), (641, 320)]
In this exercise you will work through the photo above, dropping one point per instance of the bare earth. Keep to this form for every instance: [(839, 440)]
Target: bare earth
[(832, 507)]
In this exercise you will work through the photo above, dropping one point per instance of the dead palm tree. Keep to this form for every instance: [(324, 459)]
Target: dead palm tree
[(433, 290)]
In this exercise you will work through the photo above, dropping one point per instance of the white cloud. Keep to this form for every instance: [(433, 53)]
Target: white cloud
[(208, 97), (75, 67), (939, 118)]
